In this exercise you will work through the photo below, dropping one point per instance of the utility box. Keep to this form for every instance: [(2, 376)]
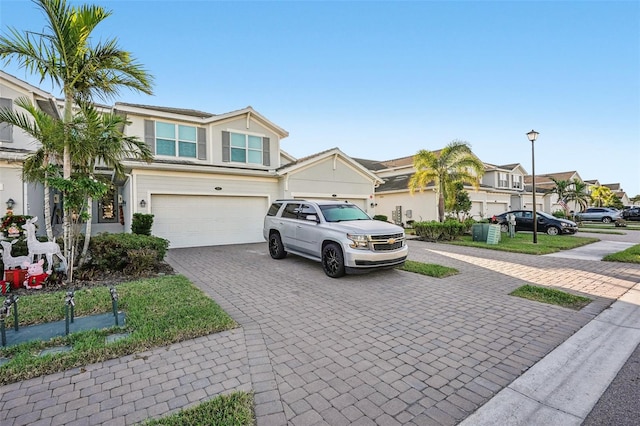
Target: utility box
[(480, 231), (493, 236)]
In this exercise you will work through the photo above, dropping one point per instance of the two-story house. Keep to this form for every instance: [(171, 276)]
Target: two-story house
[(212, 179)]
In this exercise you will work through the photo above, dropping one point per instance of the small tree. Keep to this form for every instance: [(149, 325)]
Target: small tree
[(458, 201)]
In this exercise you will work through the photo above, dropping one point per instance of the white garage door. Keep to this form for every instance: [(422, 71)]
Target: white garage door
[(201, 220), (496, 208)]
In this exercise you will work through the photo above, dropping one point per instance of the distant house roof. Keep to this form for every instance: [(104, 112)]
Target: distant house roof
[(613, 186)]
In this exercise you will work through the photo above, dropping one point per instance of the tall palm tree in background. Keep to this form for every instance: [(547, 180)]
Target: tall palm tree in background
[(578, 194), (561, 188), (454, 163), (63, 54), (41, 164)]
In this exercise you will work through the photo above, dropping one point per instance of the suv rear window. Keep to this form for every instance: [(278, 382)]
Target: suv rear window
[(273, 210)]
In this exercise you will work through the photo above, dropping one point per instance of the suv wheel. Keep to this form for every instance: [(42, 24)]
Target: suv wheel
[(276, 249), (333, 260), (552, 230)]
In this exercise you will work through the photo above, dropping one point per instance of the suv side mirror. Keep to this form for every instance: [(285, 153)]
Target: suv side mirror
[(313, 218)]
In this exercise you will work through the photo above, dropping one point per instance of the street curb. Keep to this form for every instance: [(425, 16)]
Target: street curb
[(563, 387)]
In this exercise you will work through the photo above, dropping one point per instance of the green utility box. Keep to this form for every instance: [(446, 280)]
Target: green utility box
[(480, 231), (493, 237)]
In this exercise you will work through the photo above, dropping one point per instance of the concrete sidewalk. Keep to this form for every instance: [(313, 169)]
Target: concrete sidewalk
[(565, 385), (595, 251)]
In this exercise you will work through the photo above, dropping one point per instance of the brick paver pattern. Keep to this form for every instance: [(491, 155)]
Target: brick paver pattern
[(385, 348)]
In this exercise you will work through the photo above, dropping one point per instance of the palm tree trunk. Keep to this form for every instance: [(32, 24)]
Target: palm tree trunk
[(47, 210), (441, 207), (87, 233)]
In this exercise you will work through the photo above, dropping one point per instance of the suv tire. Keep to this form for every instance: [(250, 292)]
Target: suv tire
[(333, 260), (276, 249)]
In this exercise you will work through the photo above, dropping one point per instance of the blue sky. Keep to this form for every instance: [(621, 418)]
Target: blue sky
[(381, 80)]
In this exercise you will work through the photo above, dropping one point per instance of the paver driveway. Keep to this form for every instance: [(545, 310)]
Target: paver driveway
[(393, 347), (385, 348)]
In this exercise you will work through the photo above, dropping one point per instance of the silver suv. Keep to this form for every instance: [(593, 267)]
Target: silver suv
[(598, 214), (338, 234)]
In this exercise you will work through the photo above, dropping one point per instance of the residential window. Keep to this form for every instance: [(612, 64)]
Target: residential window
[(246, 148), (176, 140), (517, 181), (502, 180)]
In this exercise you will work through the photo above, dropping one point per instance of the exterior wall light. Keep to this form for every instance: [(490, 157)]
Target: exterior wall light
[(143, 203), (10, 203)]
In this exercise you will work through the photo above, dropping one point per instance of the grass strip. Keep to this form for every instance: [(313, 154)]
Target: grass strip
[(630, 255), (159, 311), (430, 269), (551, 296), (523, 243), (235, 409)]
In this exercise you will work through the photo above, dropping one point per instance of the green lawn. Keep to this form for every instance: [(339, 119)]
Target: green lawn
[(430, 269), (630, 255), (235, 409), (523, 243), (551, 296), (159, 311)]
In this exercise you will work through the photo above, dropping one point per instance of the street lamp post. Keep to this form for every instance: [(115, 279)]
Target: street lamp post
[(533, 135)]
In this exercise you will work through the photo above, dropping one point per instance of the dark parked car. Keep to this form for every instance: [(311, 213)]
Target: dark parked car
[(598, 214), (631, 214), (546, 223)]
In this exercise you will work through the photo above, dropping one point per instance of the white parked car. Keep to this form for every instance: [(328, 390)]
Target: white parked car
[(338, 234)]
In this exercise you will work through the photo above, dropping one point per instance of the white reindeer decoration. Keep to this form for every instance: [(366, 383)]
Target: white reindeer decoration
[(9, 261), (48, 248)]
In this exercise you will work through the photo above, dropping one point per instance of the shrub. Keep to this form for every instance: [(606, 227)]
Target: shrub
[(141, 261), (111, 251), (437, 231), (560, 214), (141, 223), (380, 217)]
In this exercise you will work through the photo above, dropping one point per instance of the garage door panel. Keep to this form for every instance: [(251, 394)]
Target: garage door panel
[(193, 221)]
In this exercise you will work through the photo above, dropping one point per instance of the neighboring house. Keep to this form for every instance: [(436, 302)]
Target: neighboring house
[(501, 188), (547, 201), (212, 179), (15, 145), (618, 192)]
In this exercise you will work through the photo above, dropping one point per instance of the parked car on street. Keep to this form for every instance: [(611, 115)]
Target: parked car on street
[(632, 213), (546, 222), (337, 234), (598, 214)]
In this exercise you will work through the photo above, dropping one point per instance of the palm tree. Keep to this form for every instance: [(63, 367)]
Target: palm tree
[(561, 189), (578, 194), (47, 130), (600, 195), (63, 54), (454, 163), (102, 141)]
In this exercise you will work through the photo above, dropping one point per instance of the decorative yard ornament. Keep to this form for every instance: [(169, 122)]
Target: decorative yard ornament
[(35, 275), (8, 260), (48, 248)]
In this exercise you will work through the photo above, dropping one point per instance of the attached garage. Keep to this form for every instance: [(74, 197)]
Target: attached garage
[(207, 220), (496, 208)]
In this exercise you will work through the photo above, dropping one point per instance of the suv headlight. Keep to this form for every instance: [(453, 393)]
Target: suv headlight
[(358, 241)]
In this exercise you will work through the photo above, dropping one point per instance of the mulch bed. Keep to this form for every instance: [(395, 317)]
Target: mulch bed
[(94, 278)]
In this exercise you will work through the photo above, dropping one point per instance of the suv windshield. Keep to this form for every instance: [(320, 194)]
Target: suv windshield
[(342, 212)]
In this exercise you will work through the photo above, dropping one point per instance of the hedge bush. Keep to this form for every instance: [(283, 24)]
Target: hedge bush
[(117, 252), (441, 231), (380, 217), (142, 223)]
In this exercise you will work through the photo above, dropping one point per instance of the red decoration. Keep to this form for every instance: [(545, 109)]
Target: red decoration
[(15, 277)]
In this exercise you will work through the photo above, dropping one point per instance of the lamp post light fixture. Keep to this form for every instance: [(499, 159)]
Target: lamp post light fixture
[(532, 136)]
